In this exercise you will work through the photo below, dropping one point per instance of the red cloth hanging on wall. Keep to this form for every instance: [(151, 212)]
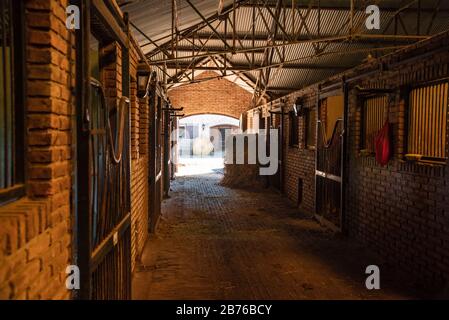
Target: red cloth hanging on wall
[(382, 144)]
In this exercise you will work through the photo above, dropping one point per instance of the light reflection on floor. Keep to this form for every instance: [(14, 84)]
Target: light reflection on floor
[(195, 165)]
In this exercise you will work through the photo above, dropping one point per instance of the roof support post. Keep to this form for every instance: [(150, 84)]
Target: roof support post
[(268, 56), (233, 23)]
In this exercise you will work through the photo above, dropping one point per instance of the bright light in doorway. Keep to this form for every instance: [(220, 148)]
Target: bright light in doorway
[(197, 165), (201, 143)]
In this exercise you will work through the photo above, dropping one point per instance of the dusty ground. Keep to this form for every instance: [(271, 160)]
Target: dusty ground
[(219, 243)]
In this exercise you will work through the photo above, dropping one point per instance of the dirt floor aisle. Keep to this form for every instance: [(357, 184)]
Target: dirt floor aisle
[(219, 243)]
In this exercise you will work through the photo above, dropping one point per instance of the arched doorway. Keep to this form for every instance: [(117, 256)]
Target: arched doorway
[(201, 142)]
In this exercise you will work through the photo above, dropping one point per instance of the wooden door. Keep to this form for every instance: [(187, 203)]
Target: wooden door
[(329, 157)]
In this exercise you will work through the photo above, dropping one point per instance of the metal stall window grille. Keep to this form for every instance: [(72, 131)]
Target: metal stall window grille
[(329, 160), (428, 120), (311, 128), (158, 134), (110, 201), (374, 112), (103, 157), (11, 101), (293, 132)]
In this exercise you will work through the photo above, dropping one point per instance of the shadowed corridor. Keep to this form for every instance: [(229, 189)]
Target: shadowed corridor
[(214, 242)]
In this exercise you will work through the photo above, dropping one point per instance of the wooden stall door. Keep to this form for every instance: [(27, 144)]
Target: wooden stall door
[(329, 159), (155, 161), (275, 123), (102, 198)]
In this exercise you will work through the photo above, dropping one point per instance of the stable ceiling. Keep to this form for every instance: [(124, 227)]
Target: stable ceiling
[(273, 47)]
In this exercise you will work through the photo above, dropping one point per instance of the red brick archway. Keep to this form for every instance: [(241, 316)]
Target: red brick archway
[(209, 113), (211, 97)]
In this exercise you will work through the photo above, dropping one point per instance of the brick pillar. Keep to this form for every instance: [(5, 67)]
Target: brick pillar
[(135, 120), (143, 125), (39, 227)]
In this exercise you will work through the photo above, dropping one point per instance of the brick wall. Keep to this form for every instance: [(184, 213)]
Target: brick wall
[(212, 96), (35, 232), (299, 160), (400, 211), (112, 75), (139, 163), (112, 80)]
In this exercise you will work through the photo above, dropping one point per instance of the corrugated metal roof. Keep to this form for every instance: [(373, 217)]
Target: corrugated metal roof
[(312, 62), (154, 17)]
